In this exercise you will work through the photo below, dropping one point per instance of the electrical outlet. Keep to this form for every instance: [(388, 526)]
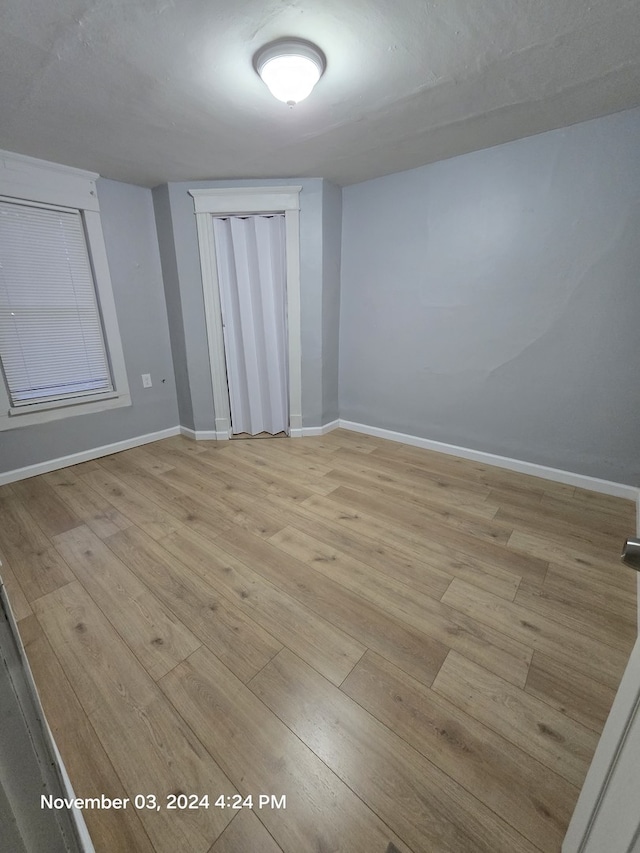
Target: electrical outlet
[(146, 380)]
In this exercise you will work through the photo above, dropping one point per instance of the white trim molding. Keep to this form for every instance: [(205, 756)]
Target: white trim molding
[(29, 180), (581, 481), (246, 200), (48, 183), (306, 432), (85, 455), (204, 434), (249, 200)]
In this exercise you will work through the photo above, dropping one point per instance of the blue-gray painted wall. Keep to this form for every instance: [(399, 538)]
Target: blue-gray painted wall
[(492, 301)]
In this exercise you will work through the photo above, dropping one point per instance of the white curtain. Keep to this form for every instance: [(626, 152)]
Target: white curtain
[(251, 263)]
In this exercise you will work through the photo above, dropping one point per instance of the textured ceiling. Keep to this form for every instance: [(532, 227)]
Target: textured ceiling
[(149, 91)]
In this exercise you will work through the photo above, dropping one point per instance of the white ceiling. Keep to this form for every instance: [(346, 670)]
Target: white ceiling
[(149, 91)]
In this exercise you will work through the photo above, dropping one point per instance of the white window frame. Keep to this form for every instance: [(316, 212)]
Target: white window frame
[(25, 179), (249, 200)]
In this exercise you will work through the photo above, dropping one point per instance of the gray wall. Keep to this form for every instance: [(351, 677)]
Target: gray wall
[(183, 281), (492, 301), (171, 281), (331, 254), (132, 250)]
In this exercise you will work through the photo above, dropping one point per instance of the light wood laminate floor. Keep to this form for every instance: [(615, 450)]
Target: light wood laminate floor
[(413, 649)]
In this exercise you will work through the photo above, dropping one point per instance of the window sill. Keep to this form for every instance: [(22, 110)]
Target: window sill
[(17, 418)]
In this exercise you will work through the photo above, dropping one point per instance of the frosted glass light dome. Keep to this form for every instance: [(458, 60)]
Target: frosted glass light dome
[(290, 69)]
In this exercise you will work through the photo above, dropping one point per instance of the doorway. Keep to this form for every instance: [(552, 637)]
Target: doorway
[(248, 204), (251, 267)]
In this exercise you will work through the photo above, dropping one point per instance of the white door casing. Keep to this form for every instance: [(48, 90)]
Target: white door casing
[(249, 200)]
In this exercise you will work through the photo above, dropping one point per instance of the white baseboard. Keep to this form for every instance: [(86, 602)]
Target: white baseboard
[(321, 430), (205, 434), (581, 481), (84, 456)]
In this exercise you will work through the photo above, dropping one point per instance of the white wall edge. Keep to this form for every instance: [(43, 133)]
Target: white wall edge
[(569, 478), (84, 456)]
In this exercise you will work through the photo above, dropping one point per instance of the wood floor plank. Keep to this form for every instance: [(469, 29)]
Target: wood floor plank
[(603, 663), (462, 550), (228, 507), (41, 571), (177, 455), (196, 510), (586, 617), (199, 475), (184, 445), (533, 800), (245, 834), (440, 524), (252, 469), (497, 652), (279, 458), (435, 498), (393, 560), (19, 533), (559, 528), (387, 463), (529, 499), (84, 756), (490, 475), (48, 511), (572, 540), (561, 744), (613, 585), (331, 651), (141, 458), (412, 650), (351, 440), (239, 642), (85, 467), (17, 599), (89, 506), (425, 568), (603, 502), (571, 692), (276, 455), (595, 516), (299, 458), (260, 754), (436, 813), (555, 551), (152, 749), (153, 520), (235, 492), (153, 633)]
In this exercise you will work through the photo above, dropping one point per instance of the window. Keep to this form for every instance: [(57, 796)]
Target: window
[(60, 349)]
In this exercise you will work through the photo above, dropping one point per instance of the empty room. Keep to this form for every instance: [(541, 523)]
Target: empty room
[(319, 426)]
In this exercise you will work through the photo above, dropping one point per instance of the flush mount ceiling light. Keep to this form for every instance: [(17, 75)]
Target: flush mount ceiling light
[(290, 68)]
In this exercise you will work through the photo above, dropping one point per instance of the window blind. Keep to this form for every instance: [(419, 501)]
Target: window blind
[(51, 339)]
